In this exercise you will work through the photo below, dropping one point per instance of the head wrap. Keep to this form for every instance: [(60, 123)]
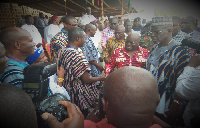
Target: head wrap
[(54, 17), (161, 21), (32, 58)]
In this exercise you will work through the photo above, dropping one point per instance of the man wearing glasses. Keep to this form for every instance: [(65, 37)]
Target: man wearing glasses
[(109, 31), (60, 40), (115, 42), (130, 55), (166, 62)]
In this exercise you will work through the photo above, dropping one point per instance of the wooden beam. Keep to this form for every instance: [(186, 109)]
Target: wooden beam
[(63, 6), (31, 2), (77, 4), (43, 5)]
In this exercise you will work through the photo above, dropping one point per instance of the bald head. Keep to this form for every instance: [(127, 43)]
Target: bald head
[(90, 29), (119, 32), (113, 23), (134, 93), (10, 35), (132, 41), (133, 35)]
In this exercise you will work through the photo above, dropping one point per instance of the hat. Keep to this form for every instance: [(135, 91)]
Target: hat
[(137, 19), (161, 21), (96, 20), (54, 17), (32, 58)]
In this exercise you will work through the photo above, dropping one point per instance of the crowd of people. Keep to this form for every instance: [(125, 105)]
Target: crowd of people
[(147, 77)]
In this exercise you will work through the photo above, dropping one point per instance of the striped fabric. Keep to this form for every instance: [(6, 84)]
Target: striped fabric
[(166, 64), (59, 41), (75, 64), (111, 45), (90, 52), (120, 58), (13, 74)]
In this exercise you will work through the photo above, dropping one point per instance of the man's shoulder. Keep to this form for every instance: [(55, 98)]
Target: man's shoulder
[(59, 36)]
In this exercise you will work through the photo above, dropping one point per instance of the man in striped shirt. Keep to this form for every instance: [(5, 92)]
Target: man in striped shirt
[(60, 40), (166, 62), (19, 45)]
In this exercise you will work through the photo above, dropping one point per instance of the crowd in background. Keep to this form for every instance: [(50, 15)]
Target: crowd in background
[(88, 51)]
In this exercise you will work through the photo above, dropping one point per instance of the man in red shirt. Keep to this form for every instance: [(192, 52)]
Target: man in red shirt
[(130, 55)]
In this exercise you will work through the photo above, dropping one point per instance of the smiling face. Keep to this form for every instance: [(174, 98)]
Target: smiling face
[(132, 42)]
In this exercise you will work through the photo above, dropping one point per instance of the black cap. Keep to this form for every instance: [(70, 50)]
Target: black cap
[(137, 19)]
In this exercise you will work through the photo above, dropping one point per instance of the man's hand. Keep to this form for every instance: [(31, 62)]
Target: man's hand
[(75, 120), (103, 77), (106, 60), (100, 67)]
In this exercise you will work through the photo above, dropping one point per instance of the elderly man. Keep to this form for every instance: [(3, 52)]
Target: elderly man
[(60, 40), (130, 55), (19, 45), (114, 42), (166, 62), (109, 32), (90, 51)]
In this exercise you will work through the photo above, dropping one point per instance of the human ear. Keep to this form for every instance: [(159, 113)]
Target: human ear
[(17, 44)]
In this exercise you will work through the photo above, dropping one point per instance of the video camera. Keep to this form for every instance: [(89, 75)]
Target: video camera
[(36, 84), (190, 42)]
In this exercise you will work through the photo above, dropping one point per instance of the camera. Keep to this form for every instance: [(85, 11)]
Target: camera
[(190, 42), (36, 84)]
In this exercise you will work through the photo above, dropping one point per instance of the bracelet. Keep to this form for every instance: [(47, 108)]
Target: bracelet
[(60, 80), (176, 101)]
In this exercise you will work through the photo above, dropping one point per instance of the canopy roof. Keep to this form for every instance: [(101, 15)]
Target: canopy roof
[(75, 7)]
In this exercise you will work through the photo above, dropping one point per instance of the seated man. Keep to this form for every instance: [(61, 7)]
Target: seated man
[(19, 45)]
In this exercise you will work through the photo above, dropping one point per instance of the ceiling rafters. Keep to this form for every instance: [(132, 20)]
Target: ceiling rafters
[(108, 7), (43, 5), (77, 4), (63, 6)]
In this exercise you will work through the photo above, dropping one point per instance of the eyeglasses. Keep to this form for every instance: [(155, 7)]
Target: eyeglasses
[(73, 25), (155, 32)]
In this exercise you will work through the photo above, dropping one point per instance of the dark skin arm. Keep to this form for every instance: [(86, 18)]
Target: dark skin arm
[(93, 62), (87, 79)]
